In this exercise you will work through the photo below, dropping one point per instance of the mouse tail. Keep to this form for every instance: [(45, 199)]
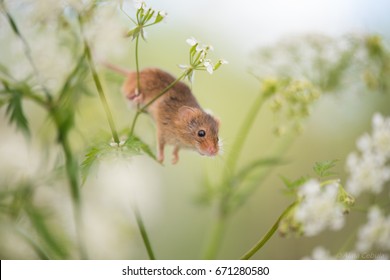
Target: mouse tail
[(116, 68)]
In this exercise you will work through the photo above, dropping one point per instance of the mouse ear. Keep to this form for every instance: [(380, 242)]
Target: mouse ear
[(209, 112), (186, 112)]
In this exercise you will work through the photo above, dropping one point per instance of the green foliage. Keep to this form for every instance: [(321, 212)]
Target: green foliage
[(133, 146), (19, 206), (15, 109), (293, 185), (323, 168)]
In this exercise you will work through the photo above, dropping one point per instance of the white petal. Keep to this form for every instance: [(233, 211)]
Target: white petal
[(191, 41)]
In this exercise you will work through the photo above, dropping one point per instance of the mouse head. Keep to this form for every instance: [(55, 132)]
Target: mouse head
[(200, 130)]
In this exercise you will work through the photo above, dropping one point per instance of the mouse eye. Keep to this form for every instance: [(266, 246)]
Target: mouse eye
[(201, 133)]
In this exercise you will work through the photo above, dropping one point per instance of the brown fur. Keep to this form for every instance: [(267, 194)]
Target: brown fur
[(177, 114)]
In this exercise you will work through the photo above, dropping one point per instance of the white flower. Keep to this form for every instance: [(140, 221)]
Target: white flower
[(367, 173), (106, 34), (209, 66), (381, 135), (163, 14), (375, 233), (320, 253), (223, 61), (368, 170), (192, 41), (138, 4), (319, 208)]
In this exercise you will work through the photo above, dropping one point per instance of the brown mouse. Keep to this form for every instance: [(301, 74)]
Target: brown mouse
[(180, 120)]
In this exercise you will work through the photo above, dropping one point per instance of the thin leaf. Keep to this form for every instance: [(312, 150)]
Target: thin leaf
[(74, 80), (137, 146), (37, 248), (37, 218), (15, 111), (292, 185), (322, 168), (90, 158)]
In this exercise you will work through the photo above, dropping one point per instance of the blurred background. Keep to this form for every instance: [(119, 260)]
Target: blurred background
[(168, 196)]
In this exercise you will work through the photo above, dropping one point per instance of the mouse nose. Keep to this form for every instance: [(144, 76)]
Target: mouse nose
[(212, 150)]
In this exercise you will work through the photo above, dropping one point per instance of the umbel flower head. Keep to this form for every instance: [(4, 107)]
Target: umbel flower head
[(199, 60), (375, 234), (320, 206), (369, 168), (146, 17)]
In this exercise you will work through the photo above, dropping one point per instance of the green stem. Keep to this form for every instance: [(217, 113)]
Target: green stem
[(71, 172), (216, 238), (231, 163), (163, 91), (37, 248), (137, 63), (143, 108), (101, 93), (144, 233), (268, 235), (27, 50), (242, 134)]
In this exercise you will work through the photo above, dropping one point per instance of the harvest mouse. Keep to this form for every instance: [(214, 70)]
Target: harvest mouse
[(180, 120)]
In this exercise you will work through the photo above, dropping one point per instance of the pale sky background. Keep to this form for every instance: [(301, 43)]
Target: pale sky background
[(248, 23)]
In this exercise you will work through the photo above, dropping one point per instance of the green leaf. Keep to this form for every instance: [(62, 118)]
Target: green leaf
[(137, 146), (74, 81), (45, 232), (91, 157), (69, 95), (4, 71), (322, 168), (292, 185), (131, 147), (15, 111)]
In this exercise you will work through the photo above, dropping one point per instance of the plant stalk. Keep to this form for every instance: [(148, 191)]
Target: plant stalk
[(27, 50), (137, 63), (242, 134), (101, 93), (71, 172), (268, 235), (216, 238), (144, 233)]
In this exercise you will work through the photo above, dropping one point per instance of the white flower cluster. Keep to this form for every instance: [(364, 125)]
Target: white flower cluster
[(198, 60), (320, 253), (319, 208), (369, 170), (375, 233)]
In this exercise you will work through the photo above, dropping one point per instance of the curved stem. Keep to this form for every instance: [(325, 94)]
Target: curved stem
[(242, 134), (101, 93), (215, 240), (27, 50), (71, 167), (144, 233), (268, 235), (137, 63)]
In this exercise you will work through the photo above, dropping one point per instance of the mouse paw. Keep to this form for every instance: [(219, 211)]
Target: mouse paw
[(175, 159), (136, 97)]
